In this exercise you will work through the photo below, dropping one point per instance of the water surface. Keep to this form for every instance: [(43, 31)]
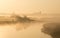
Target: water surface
[(28, 30)]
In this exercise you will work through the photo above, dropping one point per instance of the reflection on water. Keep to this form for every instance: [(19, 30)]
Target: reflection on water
[(20, 30)]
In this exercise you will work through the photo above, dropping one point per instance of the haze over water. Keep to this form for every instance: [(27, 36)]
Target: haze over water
[(27, 7), (32, 31)]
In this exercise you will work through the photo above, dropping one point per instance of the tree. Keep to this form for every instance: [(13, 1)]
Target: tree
[(23, 19)]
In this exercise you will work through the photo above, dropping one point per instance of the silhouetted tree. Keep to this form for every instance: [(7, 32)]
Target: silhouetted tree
[(23, 19)]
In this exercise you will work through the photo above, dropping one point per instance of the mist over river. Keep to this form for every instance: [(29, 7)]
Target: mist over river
[(20, 30)]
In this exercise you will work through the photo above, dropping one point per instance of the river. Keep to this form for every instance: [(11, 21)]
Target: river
[(20, 30)]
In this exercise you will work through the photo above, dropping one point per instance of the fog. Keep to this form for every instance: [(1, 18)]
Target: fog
[(21, 30), (27, 29)]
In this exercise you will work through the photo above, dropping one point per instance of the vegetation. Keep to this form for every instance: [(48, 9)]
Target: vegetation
[(23, 19), (52, 29), (15, 19)]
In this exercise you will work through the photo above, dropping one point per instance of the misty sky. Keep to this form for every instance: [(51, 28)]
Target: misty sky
[(29, 6)]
